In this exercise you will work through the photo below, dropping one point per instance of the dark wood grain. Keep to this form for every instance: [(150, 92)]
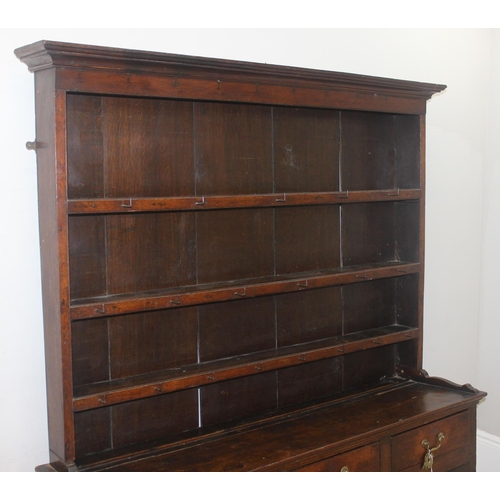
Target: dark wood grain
[(50, 107), (151, 342), (132, 204), (309, 315), (147, 147), (407, 448), (376, 300), (407, 291), (233, 290), (93, 431), (306, 150), (152, 73), (153, 384), (456, 461), (368, 152), (365, 459), (419, 347), (407, 219), (233, 149), (368, 367), (87, 248), (233, 265), (90, 350), (377, 232), (235, 245), (150, 252), (235, 328), (309, 381), (150, 419), (85, 146), (286, 441), (409, 160), (307, 238), (238, 398)]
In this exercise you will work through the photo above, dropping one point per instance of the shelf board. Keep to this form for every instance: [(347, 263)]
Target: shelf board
[(140, 204), (113, 305), (358, 421), (150, 385)]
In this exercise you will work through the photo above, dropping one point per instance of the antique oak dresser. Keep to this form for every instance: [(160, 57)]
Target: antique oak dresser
[(233, 263)]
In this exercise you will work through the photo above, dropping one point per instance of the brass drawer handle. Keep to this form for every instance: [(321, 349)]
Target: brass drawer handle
[(344, 469), (429, 457)]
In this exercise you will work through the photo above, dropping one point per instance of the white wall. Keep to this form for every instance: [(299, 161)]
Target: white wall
[(455, 169), (489, 339)]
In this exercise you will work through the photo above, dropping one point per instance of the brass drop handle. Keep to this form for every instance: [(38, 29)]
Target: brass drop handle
[(344, 469), (429, 457)]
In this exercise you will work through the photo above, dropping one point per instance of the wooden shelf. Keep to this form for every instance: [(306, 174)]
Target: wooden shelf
[(292, 433), (232, 267), (99, 307), (140, 204), (133, 388)]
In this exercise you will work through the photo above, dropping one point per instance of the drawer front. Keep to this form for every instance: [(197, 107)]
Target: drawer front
[(408, 450), (456, 460), (364, 459)]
